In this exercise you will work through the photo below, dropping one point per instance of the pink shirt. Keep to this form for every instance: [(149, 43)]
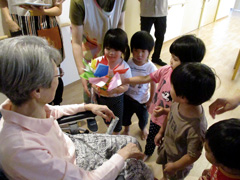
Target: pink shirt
[(162, 95), (34, 148)]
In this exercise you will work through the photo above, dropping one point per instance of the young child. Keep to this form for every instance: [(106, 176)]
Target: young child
[(187, 48), (114, 45), (222, 147), (137, 99), (191, 85)]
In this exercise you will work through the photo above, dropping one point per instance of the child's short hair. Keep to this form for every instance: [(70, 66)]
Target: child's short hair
[(188, 48), (223, 139), (118, 40), (142, 40), (194, 81)]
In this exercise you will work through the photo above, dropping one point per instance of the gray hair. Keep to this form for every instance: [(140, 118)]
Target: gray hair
[(26, 64)]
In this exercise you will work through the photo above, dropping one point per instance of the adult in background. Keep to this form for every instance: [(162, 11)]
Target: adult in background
[(90, 21), (154, 12), (38, 21)]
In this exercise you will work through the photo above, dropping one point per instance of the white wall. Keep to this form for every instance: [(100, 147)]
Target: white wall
[(237, 5)]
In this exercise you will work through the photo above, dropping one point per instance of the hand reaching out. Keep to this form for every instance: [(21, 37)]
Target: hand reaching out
[(101, 110), (222, 105), (13, 26)]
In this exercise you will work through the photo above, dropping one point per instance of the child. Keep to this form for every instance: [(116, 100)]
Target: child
[(187, 48), (138, 98), (114, 45), (222, 147), (191, 85)]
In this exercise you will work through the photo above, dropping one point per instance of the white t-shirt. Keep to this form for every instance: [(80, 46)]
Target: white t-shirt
[(140, 92)]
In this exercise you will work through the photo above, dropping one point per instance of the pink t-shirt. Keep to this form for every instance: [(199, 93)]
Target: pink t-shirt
[(33, 148), (162, 95)]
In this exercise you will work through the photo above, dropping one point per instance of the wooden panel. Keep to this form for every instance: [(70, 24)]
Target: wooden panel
[(174, 21), (209, 12), (224, 8), (191, 15)]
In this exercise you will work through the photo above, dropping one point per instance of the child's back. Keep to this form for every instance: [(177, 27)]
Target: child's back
[(192, 84)]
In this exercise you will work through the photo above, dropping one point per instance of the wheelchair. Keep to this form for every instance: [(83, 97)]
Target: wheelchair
[(72, 127)]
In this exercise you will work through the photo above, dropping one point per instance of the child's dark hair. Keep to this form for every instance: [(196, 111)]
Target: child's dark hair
[(223, 139), (118, 40), (194, 81), (142, 40), (188, 48)]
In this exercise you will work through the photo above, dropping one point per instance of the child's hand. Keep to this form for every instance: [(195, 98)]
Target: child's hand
[(158, 111), (158, 140), (205, 175), (148, 104), (170, 169)]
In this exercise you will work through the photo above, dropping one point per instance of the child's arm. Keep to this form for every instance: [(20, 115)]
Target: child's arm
[(152, 91), (158, 138), (137, 80), (119, 89), (172, 167)]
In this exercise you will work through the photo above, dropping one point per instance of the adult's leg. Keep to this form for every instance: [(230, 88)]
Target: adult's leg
[(146, 23), (160, 25)]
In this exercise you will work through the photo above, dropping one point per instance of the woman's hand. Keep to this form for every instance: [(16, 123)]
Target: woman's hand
[(39, 10), (13, 26), (85, 87), (130, 151), (100, 110), (222, 105)]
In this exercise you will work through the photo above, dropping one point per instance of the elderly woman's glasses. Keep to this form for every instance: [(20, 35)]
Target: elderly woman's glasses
[(61, 73)]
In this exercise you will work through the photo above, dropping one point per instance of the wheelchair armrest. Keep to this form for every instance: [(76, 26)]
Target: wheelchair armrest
[(71, 119)]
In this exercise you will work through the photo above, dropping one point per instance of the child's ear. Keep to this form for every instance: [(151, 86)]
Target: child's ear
[(183, 99)]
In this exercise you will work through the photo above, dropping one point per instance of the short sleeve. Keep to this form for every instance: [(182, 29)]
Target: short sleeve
[(194, 143), (153, 68), (77, 12), (158, 74)]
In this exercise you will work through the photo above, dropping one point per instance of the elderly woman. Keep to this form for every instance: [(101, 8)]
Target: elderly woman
[(32, 144)]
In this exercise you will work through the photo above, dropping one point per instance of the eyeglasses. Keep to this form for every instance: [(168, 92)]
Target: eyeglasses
[(61, 73)]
